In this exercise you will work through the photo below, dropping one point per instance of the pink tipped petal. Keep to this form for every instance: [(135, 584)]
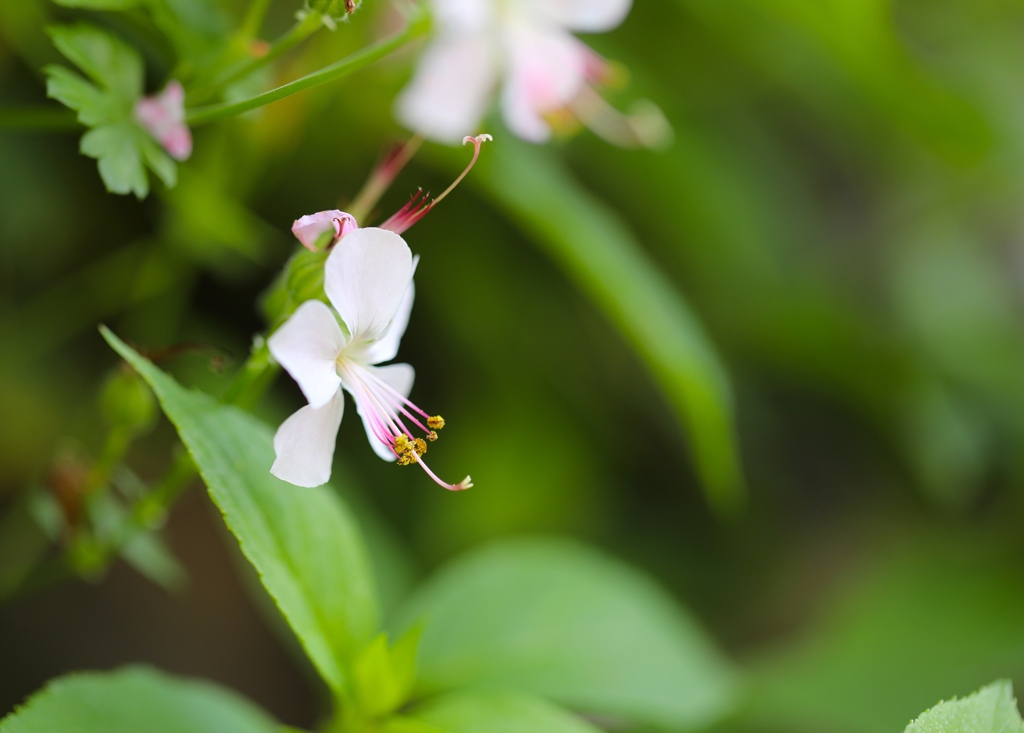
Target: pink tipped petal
[(451, 90), (163, 117), (310, 228), (547, 70), (397, 376), (307, 345), (304, 444), (366, 278), (588, 16)]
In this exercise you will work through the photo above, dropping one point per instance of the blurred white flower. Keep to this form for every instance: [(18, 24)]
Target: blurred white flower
[(368, 280), (163, 117), (527, 48)]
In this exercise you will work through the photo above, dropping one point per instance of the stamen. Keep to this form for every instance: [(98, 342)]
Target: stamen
[(382, 404), (419, 207)]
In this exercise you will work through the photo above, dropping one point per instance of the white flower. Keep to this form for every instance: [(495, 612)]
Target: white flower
[(368, 280), (526, 47)]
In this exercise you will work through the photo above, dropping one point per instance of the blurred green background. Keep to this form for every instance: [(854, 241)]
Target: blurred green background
[(841, 211)]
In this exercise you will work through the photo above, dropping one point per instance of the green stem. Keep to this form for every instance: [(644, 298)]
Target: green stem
[(241, 69), (254, 16), (416, 28)]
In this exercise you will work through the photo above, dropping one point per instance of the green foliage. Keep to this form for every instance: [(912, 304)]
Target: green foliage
[(384, 675), (991, 709), (99, 4), (133, 700), (127, 402), (924, 614), (606, 261), (303, 542), (122, 149), (564, 622), (489, 711)]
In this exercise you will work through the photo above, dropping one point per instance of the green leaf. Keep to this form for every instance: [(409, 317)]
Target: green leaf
[(107, 60), (491, 711), (121, 147), (303, 542), (116, 149), (601, 254), (384, 675), (132, 700), (991, 709), (565, 622), (94, 106), (924, 613)]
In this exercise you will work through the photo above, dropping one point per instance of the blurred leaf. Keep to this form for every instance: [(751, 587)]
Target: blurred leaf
[(114, 65), (563, 621), (120, 164), (384, 675), (991, 709), (122, 148), (93, 106), (599, 252), (132, 700), (99, 4), (929, 614), (303, 542), (146, 552), (22, 541), (490, 711)]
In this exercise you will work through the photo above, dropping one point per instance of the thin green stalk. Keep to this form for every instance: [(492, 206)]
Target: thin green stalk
[(299, 32), (416, 28), (254, 16)]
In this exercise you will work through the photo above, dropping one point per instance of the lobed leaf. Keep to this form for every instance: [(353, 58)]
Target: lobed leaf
[(304, 543), (135, 699), (565, 622), (106, 59)]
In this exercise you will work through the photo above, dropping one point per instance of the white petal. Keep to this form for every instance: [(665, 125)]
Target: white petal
[(307, 346), (304, 444), (366, 276), (386, 348), (589, 16), (400, 378), (461, 16), (546, 71), (451, 90)]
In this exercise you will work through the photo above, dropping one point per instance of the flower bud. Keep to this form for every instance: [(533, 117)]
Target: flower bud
[(126, 401)]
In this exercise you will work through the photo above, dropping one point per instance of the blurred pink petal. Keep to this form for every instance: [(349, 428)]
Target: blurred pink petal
[(163, 117)]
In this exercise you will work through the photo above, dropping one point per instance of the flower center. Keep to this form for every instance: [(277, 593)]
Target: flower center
[(393, 418)]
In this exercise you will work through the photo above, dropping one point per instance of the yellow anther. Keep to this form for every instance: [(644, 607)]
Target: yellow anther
[(432, 436), (401, 443), (406, 458), (420, 446), (436, 422)]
